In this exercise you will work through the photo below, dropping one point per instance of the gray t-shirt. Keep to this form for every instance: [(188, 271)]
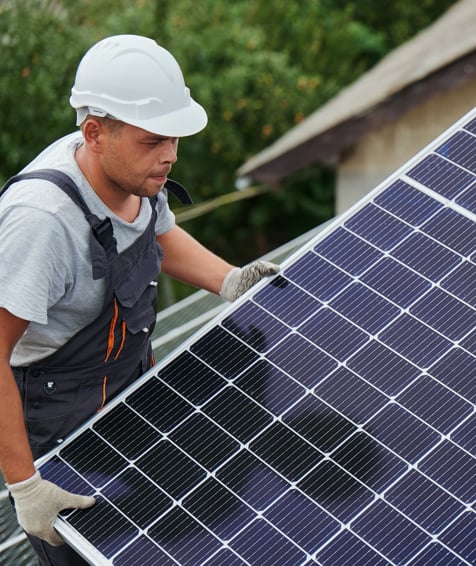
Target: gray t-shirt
[(45, 266)]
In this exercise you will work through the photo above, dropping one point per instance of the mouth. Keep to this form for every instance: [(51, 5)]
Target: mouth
[(159, 178), (160, 174)]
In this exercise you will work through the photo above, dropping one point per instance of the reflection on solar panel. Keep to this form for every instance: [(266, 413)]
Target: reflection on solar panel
[(327, 417)]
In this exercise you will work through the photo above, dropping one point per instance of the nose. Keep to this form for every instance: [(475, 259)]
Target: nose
[(169, 150)]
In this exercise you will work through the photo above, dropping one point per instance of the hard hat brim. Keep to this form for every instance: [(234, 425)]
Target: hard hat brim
[(176, 124)]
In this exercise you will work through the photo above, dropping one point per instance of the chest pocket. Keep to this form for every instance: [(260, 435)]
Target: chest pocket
[(134, 280)]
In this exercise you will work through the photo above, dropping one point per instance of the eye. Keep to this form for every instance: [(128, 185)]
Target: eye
[(159, 141), (156, 141)]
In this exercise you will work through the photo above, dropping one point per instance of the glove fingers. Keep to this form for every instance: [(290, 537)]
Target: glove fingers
[(239, 280), (266, 268), (74, 501), (254, 272), (67, 500)]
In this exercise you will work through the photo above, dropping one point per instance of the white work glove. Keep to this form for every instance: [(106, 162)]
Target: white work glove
[(38, 502), (240, 279)]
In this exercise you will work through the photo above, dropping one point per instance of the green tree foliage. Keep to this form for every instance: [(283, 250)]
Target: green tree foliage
[(41, 44), (258, 66)]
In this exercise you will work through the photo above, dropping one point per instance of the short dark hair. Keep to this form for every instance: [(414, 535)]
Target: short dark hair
[(113, 125)]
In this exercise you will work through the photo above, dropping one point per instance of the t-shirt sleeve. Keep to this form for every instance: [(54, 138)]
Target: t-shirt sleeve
[(165, 217), (33, 270)]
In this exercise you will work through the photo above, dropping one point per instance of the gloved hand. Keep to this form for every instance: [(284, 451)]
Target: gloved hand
[(38, 502), (240, 279)]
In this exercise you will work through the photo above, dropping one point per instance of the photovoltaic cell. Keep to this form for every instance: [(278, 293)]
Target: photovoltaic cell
[(309, 368), (137, 497), (471, 126), (400, 539), (457, 371), (398, 283), (426, 256), (468, 200), (460, 148), (469, 343), (401, 336), (365, 308), (337, 491), (295, 307), (433, 172), (180, 475), (453, 230), (460, 283), (425, 393), (376, 226), (285, 392), (407, 203), (436, 554), (331, 279), (335, 334), (266, 485), (422, 501), (324, 525), (327, 417), (465, 435), (347, 549), (353, 255), (385, 369)]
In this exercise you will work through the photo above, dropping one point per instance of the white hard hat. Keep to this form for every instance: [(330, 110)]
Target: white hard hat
[(135, 80)]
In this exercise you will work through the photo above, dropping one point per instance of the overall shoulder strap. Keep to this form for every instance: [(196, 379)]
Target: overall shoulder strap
[(102, 229), (179, 191), (60, 179)]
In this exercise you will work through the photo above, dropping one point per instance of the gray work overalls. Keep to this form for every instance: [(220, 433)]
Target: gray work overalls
[(64, 389)]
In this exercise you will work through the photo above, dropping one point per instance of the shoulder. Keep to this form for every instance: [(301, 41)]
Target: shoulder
[(39, 208), (33, 230), (57, 155), (39, 194), (36, 195)]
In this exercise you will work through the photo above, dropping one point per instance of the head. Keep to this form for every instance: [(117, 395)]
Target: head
[(126, 159), (130, 95)]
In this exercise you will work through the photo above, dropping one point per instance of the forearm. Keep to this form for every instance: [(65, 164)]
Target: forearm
[(187, 260), (16, 460)]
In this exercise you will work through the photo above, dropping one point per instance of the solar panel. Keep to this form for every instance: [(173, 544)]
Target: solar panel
[(327, 417)]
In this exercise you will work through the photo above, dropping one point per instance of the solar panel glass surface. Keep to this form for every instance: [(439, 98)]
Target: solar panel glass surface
[(327, 417)]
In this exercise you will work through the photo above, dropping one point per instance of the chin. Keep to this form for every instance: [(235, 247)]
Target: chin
[(156, 184), (151, 189)]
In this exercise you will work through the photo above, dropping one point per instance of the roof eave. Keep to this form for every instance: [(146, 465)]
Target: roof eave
[(327, 147)]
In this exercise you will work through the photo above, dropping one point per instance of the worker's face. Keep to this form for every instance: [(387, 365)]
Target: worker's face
[(137, 161)]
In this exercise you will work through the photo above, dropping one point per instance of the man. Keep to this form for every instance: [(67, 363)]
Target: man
[(84, 232)]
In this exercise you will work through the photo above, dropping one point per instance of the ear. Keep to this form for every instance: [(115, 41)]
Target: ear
[(93, 134)]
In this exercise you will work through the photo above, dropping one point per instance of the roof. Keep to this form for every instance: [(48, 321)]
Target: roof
[(437, 58)]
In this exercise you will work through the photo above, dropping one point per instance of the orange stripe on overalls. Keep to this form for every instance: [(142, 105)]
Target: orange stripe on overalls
[(123, 339), (112, 326)]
